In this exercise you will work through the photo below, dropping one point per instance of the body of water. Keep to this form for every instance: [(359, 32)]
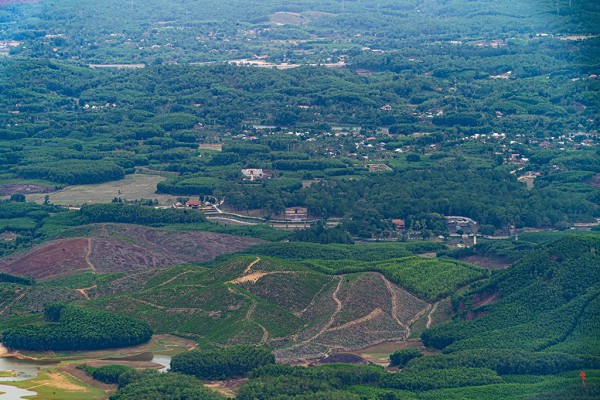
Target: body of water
[(14, 393), (24, 369)]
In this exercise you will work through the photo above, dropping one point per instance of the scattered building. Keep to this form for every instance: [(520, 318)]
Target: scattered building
[(252, 174), (378, 168), (399, 223), (211, 146), (193, 203), (296, 214)]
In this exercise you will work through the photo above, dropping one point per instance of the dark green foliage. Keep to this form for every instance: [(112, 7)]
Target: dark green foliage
[(270, 382), (368, 252), (134, 214), (53, 311), (442, 378), (189, 186), (108, 373), (401, 357), (78, 328), (506, 362), (74, 172), (225, 363), (21, 280), (153, 385), (320, 234), (542, 301), (323, 382)]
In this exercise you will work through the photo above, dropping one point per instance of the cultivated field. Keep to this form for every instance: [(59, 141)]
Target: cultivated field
[(302, 312), (136, 186)]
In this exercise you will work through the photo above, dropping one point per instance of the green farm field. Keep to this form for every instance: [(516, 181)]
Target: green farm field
[(136, 186)]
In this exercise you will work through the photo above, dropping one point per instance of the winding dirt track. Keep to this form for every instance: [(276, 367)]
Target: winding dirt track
[(338, 309), (312, 301), (430, 315), (83, 291), (87, 256), (19, 297), (373, 314), (252, 264), (395, 306), (175, 277)]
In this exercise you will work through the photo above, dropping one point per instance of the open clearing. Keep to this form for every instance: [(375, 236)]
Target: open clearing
[(136, 186), (122, 248)]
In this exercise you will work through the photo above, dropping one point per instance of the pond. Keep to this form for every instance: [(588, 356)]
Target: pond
[(163, 360), (24, 369), (14, 393), (29, 369)]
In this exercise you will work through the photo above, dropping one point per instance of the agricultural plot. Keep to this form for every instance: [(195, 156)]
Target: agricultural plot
[(132, 187), (280, 303), (429, 279)]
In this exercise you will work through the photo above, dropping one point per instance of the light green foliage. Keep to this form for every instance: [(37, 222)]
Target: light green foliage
[(429, 279)]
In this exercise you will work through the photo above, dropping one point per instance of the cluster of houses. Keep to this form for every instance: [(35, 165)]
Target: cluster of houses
[(252, 174)]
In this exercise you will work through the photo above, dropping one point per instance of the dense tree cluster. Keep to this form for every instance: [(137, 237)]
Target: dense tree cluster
[(108, 373), (20, 280), (225, 363), (401, 357), (135, 214), (70, 327), (151, 385), (74, 172), (319, 233), (546, 302)]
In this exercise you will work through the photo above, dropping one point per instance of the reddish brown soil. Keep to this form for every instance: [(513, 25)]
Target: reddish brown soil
[(480, 302), (487, 262), (54, 259), (122, 248), (346, 358)]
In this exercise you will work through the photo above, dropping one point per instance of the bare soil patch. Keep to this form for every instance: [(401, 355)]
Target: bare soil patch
[(123, 248), (7, 190), (54, 259), (85, 378), (346, 358), (491, 263), (60, 381)]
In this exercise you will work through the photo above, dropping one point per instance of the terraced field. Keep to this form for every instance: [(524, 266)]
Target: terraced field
[(288, 305)]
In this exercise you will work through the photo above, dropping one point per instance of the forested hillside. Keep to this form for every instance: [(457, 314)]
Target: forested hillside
[(262, 192), (548, 301)]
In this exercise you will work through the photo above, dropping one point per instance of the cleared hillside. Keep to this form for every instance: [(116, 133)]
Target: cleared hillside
[(110, 248), (292, 306)]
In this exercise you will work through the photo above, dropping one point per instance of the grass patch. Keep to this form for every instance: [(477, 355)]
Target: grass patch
[(136, 186), (430, 279), (52, 384)]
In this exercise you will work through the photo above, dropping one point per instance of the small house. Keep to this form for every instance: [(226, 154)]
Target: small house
[(193, 203), (296, 214), (252, 174), (399, 223)]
